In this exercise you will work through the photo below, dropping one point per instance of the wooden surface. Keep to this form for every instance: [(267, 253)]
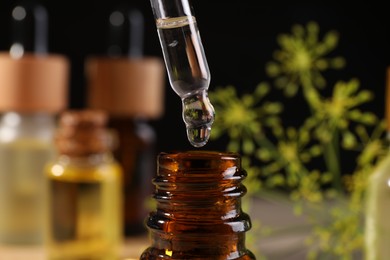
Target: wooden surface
[(287, 243), (131, 249)]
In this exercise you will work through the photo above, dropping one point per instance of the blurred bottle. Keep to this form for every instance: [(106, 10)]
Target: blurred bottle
[(33, 89), (377, 224), (130, 88), (84, 187)]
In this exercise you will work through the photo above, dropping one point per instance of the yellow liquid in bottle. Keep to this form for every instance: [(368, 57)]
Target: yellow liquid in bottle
[(85, 211), (22, 190)]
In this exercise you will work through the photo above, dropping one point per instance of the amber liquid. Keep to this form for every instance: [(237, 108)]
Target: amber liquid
[(84, 212), (198, 212)]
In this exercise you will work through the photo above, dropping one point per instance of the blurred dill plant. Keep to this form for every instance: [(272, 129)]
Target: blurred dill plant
[(306, 159)]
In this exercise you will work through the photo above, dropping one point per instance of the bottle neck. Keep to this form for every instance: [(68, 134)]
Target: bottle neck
[(84, 141), (198, 198)]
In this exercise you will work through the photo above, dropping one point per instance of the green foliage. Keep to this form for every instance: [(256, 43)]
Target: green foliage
[(305, 159)]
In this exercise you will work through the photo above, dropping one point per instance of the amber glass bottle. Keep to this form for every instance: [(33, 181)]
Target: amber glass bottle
[(84, 206), (198, 213)]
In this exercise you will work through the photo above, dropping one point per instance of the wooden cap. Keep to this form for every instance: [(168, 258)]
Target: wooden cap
[(126, 87), (33, 83)]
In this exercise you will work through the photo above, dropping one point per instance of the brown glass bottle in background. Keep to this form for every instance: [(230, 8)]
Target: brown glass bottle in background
[(198, 213), (130, 101), (130, 88), (136, 154)]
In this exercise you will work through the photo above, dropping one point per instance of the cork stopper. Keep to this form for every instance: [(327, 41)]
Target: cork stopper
[(83, 132), (33, 83), (126, 87), (388, 99)]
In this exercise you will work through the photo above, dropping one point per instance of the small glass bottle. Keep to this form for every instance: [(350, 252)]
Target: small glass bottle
[(377, 224), (84, 190), (130, 87), (33, 87), (198, 213)]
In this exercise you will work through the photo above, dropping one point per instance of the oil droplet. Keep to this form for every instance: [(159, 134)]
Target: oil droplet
[(198, 115)]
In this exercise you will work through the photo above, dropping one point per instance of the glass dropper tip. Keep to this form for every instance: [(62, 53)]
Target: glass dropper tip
[(186, 64), (198, 115)]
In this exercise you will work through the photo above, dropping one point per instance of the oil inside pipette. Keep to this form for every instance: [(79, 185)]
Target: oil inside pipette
[(189, 74)]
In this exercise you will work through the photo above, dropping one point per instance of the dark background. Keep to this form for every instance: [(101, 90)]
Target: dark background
[(239, 37)]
